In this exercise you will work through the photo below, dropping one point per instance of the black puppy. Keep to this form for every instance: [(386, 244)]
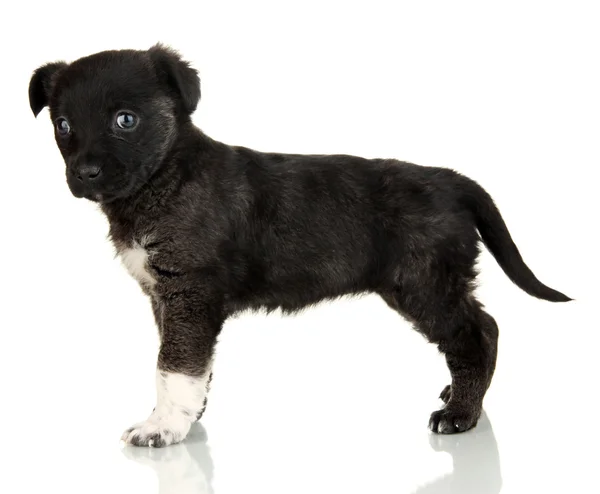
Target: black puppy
[(209, 229)]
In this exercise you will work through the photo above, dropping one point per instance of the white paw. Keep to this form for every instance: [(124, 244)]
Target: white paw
[(158, 431), (181, 400)]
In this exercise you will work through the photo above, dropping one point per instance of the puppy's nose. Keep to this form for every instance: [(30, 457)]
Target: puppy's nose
[(88, 173)]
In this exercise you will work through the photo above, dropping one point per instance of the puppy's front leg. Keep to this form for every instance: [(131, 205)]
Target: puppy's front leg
[(188, 325)]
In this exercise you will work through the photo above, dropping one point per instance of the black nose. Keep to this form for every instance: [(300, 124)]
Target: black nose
[(88, 173)]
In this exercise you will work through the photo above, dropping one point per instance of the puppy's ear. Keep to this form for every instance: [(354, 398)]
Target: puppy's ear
[(41, 85), (177, 74)]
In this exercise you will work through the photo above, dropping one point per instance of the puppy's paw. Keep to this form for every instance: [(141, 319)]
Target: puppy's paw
[(158, 432), (447, 421), (446, 393)]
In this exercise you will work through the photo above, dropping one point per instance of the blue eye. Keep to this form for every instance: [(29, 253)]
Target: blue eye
[(62, 127), (126, 120)]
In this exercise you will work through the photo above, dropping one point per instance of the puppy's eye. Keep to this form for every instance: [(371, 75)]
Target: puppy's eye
[(126, 120), (62, 127)]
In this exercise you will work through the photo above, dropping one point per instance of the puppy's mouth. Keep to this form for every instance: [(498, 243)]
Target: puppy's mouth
[(103, 194), (109, 189), (95, 195), (104, 197), (108, 193)]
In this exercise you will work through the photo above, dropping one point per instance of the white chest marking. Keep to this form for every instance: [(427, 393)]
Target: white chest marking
[(135, 259)]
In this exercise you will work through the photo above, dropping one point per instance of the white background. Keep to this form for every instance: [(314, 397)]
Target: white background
[(337, 399)]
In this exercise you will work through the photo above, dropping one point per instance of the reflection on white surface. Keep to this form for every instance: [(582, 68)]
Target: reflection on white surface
[(183, 468), (187, 468), (475, 462)]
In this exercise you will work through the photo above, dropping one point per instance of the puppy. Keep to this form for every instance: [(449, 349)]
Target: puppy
[(209, 230)]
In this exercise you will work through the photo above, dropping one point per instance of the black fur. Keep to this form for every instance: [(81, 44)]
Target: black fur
[(41, 84), (228, 228)]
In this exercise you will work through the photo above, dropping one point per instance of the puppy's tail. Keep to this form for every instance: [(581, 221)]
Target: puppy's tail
[(497, 239)]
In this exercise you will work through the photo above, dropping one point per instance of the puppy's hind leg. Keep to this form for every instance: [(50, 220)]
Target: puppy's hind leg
[(470, 348), (468, 337)]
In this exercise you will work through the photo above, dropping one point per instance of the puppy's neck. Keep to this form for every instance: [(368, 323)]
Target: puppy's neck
[(190, 150)]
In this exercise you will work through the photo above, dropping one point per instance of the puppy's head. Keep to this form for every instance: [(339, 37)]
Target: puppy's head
[(116, 115)]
